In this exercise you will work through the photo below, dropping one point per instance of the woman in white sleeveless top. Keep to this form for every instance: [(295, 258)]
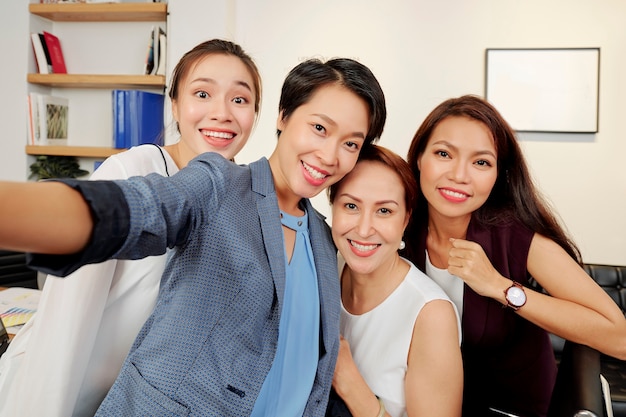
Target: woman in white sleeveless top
[(400, 352)]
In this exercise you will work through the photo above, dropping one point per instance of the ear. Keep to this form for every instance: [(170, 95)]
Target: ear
[(175, 110), (280, 122), (406, 221), (419, 162)]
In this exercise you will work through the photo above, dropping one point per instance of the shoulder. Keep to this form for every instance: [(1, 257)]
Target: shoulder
[(422, 283), (215, 166), (139, 160), (510, 233)]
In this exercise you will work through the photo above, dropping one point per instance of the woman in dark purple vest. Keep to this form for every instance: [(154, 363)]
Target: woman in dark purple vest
[(481, 230)]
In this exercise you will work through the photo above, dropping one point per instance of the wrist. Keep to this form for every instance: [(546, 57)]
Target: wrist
[(515, 296)]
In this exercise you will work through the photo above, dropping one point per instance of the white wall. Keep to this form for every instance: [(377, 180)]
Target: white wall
[(422, 52), (15, 50)]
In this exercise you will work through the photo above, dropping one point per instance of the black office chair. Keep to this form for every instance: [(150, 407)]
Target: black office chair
[(578, 389)]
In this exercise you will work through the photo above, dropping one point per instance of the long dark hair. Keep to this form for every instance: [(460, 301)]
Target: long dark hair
[(514, 195), (309, 76)]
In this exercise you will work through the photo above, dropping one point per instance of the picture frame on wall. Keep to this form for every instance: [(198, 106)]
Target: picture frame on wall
[(545, 89)]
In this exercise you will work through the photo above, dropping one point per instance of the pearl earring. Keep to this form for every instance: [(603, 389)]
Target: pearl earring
[(402, 245)]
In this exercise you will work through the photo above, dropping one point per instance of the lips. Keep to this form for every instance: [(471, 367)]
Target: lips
[(363, 248), (314, 176), (217, 138), (218, 135), (453, 195)]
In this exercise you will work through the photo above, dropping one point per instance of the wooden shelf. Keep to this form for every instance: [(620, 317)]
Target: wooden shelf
[(79, 151), (97, 80), (101, 12)]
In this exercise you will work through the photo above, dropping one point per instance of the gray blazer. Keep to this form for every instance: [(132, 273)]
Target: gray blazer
[(211, 340)]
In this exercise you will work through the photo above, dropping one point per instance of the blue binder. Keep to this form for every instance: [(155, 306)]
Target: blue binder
[(137, 118)]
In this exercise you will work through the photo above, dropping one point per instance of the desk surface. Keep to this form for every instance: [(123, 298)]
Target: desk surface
[(19, 305), (10, 334)]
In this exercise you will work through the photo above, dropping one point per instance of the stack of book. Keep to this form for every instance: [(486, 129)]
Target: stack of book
[(48, 53), (137, 118), (155, 57), (47, 119)]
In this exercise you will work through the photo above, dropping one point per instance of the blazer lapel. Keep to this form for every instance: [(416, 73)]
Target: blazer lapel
[(325, 256), (269, 217)]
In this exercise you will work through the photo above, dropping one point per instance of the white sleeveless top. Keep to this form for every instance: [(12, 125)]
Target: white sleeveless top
[(451, 284), (380, 339)]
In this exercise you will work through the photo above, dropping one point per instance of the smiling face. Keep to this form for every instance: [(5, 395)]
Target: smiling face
[(458, 167), (215, 106), (319, 144), (369, 217)]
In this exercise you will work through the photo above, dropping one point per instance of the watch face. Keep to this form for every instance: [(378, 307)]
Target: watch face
[(516, 296)]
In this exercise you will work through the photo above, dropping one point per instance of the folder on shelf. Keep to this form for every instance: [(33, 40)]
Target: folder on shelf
[(137, 118)]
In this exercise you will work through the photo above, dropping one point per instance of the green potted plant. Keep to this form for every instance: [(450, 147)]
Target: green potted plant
[(46, 167)]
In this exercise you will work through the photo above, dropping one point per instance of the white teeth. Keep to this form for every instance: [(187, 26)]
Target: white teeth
[(221, 135), (314, 173), (363, 248), (454, 194)]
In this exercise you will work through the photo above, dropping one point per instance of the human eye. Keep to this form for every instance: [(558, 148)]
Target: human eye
[(240, 100), (353, 145), (442, 153), (483, 163), (350, 206), (319, 128), (202, 94), (385, 211)]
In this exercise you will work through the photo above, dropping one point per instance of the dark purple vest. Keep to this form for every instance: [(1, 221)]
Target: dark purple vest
[(508, 361)]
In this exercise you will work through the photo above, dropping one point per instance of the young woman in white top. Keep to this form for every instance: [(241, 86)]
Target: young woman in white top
[(66, 358), (399, 354)]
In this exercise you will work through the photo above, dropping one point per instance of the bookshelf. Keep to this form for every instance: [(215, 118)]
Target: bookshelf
[(78, 151), (96, 20), (97, 80), (100, 12)]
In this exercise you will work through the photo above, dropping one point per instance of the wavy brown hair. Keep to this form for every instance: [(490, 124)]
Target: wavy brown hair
[(514, 195)]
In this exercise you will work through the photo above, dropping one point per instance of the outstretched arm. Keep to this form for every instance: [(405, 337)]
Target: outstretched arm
[(43, 217)]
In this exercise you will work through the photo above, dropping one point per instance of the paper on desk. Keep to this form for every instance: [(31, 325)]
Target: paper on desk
[(17, 306)]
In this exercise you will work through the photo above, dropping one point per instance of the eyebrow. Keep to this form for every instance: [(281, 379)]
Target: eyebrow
[(451, 146), (212, 81), (332, 122), (378, 203)]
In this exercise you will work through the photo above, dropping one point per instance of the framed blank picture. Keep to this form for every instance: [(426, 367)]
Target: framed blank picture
[(545, 90)]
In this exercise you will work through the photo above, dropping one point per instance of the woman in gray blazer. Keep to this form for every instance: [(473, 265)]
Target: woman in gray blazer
[(247, 320)]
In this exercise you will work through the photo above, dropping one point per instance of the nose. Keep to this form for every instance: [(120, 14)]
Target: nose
[(459, 171), (219, 110), (328, 152), (365, 226)]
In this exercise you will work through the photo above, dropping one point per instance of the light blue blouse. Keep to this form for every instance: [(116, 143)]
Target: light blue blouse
[(287, 386)]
